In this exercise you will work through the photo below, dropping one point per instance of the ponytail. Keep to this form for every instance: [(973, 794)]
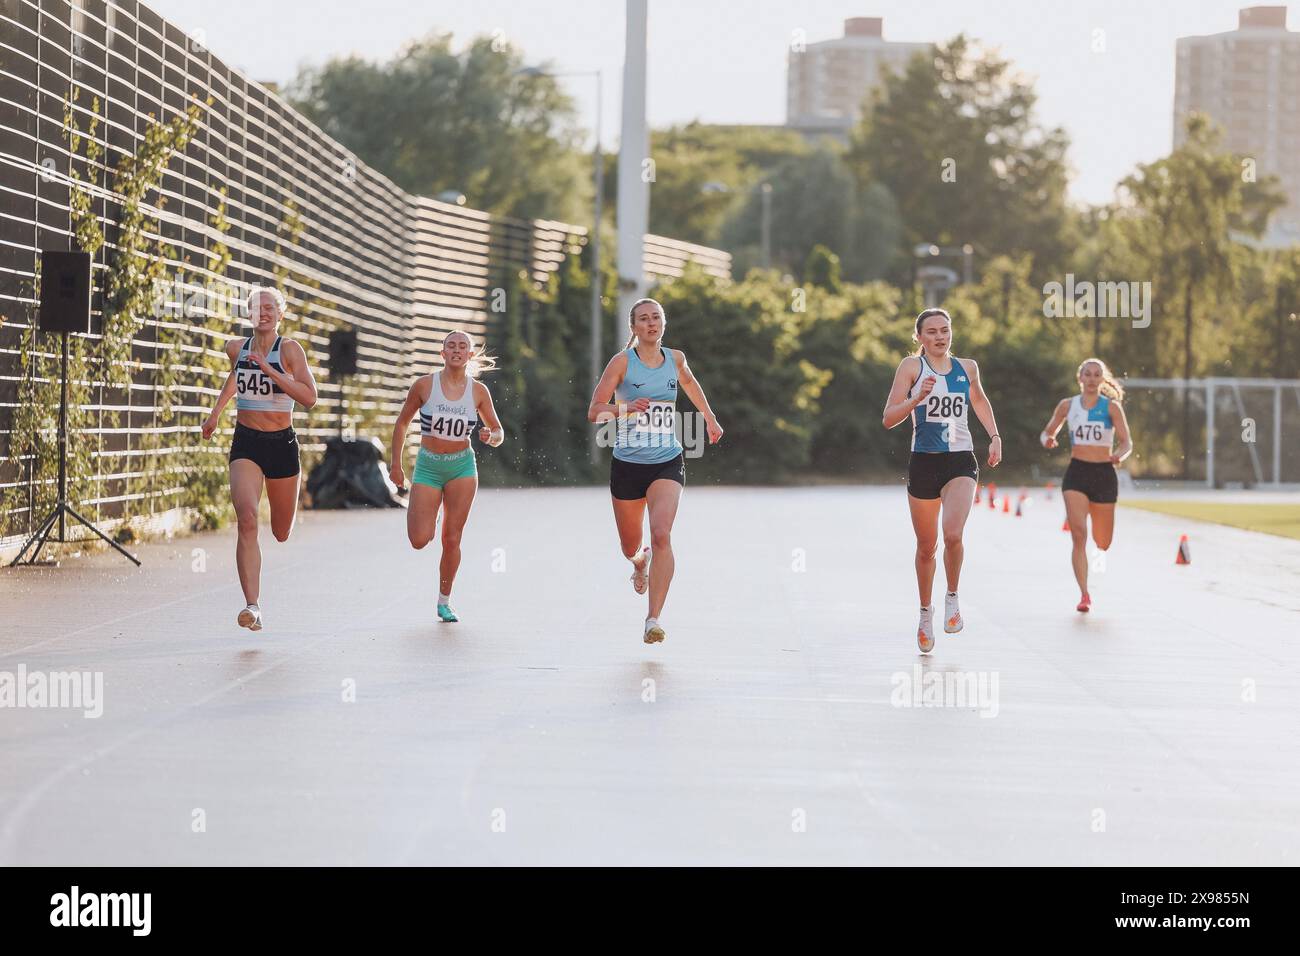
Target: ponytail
[(1110, 386)]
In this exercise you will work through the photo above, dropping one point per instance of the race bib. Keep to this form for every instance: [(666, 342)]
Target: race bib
[(1089, 433), (946, 410), (253, 381), (658, 419)]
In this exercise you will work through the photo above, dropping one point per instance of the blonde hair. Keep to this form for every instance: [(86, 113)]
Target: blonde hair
[(274, 293), (920, 319), (479, 361), (631, 316), (1110, 387)]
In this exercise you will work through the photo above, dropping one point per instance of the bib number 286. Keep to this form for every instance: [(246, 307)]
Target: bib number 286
[(945, 406)]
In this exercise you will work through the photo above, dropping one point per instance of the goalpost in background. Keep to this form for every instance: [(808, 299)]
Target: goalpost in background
[(1241, 431)]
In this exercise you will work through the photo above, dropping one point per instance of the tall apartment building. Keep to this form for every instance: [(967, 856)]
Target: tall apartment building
[(1248, 82), (827, 81)]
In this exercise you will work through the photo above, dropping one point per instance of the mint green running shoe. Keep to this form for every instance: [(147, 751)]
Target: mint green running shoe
[(446, 614)]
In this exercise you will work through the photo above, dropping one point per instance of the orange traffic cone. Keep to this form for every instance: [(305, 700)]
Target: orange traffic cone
[(1006, 504), (1184, 551)]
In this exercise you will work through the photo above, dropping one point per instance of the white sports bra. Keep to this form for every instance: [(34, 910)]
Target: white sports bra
[(440, 417), (254, 389)]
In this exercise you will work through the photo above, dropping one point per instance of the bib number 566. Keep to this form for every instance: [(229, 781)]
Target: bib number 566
[(657, 418)]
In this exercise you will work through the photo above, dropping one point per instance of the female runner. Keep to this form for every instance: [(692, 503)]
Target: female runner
[(1091, 486), (936, 390), (269, 374), (450, 402), (648, 470)]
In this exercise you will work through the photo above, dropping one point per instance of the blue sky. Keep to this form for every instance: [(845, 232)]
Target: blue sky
[(723, 61)]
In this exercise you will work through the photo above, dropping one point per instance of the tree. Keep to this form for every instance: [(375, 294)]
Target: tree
[(703, 174), (1183, 210), (815, 201), (741, 341), (954, 140), (433, 120), (823, 269)]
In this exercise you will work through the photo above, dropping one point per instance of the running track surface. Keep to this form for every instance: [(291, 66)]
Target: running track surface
[(541, 730)]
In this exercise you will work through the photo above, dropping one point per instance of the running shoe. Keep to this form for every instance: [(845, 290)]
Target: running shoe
[(641, 575), (1085, 603), (251, 618), (952, 622), (446, 614), (925, 631), (653, 632)]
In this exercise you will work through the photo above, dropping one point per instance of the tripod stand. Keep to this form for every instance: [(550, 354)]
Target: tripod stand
[(61, 507)]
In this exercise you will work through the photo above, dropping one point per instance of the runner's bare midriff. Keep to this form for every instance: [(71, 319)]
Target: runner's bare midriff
[(1091, 453), (264, 421), (442, 446)]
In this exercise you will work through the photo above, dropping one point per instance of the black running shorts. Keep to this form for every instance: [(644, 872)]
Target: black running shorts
[(929, 471), (628, 480), (1097, 479), (276, 453)]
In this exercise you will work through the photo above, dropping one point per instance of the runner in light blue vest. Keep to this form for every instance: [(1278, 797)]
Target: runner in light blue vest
[(637, 394)]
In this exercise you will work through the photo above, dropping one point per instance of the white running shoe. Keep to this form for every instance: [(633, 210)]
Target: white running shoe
[(952, 622), (925, 630), (653, 632), (251, 618), (641, 575)]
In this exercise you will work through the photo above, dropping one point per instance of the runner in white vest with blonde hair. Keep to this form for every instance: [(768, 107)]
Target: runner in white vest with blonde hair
[(449, 402)]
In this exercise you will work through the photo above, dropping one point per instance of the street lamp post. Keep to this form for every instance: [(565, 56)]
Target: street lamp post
[(933, 276), (598, 161)]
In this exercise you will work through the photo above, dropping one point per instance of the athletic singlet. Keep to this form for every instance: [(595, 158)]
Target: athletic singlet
[(649, 437), (255, 391), (440, 417), (939, 422), (1091, 426)]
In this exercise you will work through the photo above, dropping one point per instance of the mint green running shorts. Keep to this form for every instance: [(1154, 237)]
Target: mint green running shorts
[(436, 470)]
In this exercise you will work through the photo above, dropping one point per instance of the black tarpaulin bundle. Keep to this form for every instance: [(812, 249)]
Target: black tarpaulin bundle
[(352, 475)]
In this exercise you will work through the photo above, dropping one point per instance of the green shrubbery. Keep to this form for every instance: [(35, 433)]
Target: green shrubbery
[(797, 373)]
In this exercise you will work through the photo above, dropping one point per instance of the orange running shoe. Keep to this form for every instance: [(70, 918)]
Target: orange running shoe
[(925, 630), (1085, 603), (952, 622)]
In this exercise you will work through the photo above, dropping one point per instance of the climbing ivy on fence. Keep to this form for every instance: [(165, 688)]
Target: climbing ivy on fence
[(136, 267)]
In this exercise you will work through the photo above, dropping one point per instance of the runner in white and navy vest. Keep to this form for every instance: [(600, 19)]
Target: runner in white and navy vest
[(938, 392), (269, 376)]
